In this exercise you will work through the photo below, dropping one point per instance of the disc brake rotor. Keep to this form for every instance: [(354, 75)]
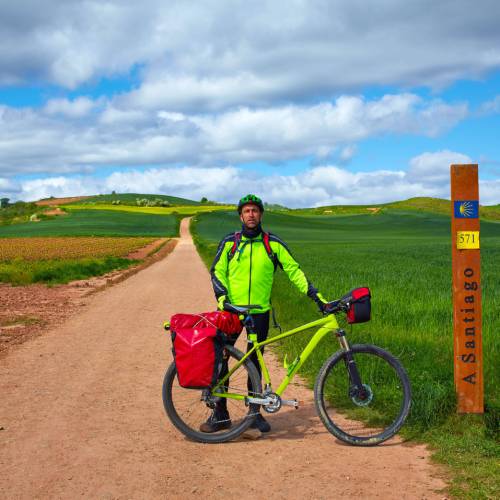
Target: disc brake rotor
[(361, 397)]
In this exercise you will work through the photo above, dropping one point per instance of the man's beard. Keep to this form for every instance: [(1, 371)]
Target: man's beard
[(252, 232)]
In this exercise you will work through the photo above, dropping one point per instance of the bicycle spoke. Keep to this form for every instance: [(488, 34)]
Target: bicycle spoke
[(368, 414), (192, 411)]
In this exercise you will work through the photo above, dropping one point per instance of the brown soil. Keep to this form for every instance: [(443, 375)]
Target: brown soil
[(60, 201), (81, 414), (142, 253), (29, 311), (55, 211)]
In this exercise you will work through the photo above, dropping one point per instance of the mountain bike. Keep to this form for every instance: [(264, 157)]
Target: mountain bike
[(362, 393)]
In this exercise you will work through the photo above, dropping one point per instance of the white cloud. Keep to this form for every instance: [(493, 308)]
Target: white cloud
[(490, 107), (77, 108), (318, 186), (432, 168), (210, 54), (489, 191), (70, 135)]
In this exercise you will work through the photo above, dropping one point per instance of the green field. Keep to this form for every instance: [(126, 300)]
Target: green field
[(405, 258), (97, 223)]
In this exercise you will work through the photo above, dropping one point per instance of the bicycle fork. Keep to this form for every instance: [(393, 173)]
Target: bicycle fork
[(358, 391)]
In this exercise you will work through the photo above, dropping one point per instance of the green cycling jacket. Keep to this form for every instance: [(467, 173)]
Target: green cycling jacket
[(247, 277)]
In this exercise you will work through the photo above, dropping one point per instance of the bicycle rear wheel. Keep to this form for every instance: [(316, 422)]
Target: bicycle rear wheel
[(187, 409), (375, 415)]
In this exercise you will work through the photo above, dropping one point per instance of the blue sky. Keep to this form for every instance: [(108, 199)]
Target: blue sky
[(305, 103)]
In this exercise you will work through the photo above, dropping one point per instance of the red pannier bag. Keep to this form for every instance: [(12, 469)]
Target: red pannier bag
[(197, 345), (359, 303)]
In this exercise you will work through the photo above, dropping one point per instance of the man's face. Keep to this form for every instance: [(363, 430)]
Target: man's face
[(250, 215)]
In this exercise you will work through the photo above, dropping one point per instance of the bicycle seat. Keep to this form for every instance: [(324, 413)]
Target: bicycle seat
[(240, 309)]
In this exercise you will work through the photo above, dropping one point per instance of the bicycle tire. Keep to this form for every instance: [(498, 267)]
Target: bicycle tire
[(181, 413), (381, 414)]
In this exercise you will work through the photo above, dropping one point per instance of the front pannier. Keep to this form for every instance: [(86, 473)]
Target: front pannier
[(197, 341), (359, 310)]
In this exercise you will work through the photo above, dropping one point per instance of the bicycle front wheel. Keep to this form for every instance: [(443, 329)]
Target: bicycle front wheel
[(188, 409), (372, 416)]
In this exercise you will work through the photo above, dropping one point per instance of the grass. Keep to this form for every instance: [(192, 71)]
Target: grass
[(20, 320), (405, 258), (23, 272), (98, 223)]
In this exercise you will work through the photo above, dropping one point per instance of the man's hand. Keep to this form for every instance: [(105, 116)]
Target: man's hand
[(321, 302)]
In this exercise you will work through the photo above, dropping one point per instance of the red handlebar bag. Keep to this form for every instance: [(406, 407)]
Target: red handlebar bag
[(359, 300), (197, 346)]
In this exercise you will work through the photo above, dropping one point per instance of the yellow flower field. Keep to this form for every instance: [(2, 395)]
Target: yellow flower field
[(181, 210), (47, 248)]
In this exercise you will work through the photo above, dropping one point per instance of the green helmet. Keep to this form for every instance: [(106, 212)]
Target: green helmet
[(250, 198)]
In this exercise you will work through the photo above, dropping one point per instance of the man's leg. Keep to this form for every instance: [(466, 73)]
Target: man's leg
[(224, 369), (220, 418), (261, 322)]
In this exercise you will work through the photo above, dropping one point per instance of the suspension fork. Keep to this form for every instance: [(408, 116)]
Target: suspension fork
[(350, 364)]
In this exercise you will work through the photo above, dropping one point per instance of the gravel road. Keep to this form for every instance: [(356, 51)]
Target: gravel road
[(81, 414)]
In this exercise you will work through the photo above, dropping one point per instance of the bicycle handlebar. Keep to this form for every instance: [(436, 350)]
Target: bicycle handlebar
[(335, 306), (237, 309)]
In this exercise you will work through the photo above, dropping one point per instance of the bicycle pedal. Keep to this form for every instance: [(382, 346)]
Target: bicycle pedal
[(290, 402)]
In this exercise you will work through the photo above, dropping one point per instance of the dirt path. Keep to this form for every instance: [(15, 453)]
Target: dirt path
[(81, 414)]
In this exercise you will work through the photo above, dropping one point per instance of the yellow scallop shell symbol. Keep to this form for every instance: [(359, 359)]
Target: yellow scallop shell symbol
[(466, 209)]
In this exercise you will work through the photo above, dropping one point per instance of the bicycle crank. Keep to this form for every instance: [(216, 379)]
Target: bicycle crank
[(272, 402)]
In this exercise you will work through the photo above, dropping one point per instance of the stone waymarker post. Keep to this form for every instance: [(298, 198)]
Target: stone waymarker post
[(467, 324)]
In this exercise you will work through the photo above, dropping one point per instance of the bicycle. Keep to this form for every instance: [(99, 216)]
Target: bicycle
[(362, 393)]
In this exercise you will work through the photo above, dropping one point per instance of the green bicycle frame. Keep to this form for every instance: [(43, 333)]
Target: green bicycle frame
[(326, 325)]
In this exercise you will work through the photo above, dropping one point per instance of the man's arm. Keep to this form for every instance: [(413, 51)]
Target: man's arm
[(218, 272), (294, 272)]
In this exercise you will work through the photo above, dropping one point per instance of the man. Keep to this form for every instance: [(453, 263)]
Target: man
[(242, 273)]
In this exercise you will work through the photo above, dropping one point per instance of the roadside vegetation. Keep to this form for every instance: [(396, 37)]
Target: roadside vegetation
[(404, 256), (49, 271), (62, 259)]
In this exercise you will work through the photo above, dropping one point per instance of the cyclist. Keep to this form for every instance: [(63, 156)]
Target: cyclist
[(242, 273)]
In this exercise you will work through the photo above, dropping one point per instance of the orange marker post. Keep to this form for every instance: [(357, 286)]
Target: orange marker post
[(467, 322)]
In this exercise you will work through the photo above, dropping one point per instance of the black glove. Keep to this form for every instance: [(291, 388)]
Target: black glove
[(321, 302)]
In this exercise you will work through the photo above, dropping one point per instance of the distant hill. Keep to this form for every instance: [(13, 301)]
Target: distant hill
[(50, 202), (421, 204), (123, 198)]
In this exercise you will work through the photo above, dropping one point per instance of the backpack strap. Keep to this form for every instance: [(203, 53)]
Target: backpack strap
[(237, 238), (265, 241), (269, 250)]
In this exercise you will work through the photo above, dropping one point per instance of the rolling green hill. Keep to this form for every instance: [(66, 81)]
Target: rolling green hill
[(130, 199), (419, 204)]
